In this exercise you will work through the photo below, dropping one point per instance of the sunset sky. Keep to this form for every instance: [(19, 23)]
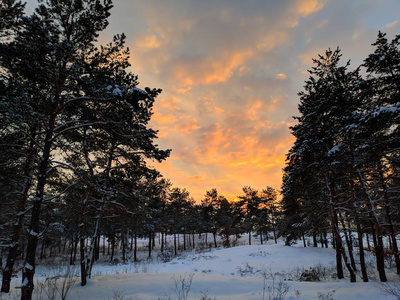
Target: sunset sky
[(230, 71)]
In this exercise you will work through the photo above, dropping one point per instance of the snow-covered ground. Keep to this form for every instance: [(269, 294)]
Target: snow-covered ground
[(237, 273)]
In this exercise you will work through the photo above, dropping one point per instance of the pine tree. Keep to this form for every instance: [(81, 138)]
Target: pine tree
[(73, 89), (383, 119), (325, 106)]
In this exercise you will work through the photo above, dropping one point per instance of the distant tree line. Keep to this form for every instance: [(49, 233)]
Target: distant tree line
[(343, 172)]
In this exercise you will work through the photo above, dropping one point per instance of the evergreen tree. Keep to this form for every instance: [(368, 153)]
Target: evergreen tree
[(72, 89), (382, 128)]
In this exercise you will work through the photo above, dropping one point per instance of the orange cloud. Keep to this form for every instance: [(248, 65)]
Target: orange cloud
[(208, 105), (308, 7), (186, 125), (253, 112), (392, 24), (219, 110), (281, 76), (268, 42), (213, 140), (170, 103), (150, 41), (209, 69), (183, 90), (164, 119)]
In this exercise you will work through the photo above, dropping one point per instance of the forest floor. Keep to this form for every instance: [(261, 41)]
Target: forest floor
[(247, 272)]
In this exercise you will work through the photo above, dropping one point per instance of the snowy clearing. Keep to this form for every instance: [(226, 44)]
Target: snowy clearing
[(242, 272)]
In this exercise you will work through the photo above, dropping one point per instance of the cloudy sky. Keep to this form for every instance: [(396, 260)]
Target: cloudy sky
[(230, 71)]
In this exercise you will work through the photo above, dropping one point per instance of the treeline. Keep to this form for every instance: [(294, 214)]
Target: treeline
[(343, 171)]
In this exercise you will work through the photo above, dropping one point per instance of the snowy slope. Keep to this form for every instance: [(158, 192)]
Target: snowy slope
[(234, 273)]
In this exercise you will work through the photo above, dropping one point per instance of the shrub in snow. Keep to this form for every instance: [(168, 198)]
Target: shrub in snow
[(115, 261), (204, 296), (274, 286), (182, 286), (247, 269), (57, 286), (309, 275), (165, 256)]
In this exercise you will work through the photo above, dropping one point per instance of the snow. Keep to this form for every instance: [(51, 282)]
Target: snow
[(385, 109), (139, 91), (33, 233), (117, 92), (25, 282), (236, 273), (217, 273), (334, 149)]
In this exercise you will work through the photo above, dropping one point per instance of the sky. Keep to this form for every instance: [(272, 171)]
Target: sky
[(230, 72)]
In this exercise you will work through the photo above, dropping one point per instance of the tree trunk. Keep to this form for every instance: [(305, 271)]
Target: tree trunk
[(326, 240), (13, 248), (364, 273), (71, 253), (34, 227), (83, 260), (347, 234), (162, 241), (150, 243), (380, 259), (104, 245), (215, 238), (368, 242), (340, 251), (135, 249), (97, 248), (90, 257), (304, 239), (123, 244), (112, 246), (175, 248), (389, 220)]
